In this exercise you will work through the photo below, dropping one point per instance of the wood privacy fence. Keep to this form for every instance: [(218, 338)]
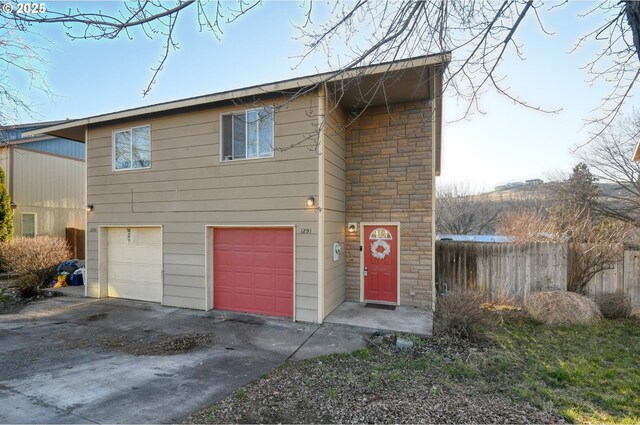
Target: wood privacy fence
[(513, 270), (75, 239)]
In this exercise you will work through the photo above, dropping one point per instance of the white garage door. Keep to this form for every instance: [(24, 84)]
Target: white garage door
[(134, 261)]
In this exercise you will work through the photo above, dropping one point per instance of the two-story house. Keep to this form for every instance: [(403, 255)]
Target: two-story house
[(282, 199)]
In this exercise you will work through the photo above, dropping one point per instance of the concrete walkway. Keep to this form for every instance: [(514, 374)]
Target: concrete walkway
[(71, 291), (382, 318), (56, 368)]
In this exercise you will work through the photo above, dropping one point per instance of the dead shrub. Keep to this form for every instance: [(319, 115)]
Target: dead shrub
[(615, 305), (34, 259), (562, 308), (461, 314)]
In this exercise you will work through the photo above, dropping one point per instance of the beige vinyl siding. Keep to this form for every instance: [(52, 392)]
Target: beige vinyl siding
[(50, 186), (187, 189), (334, 212)]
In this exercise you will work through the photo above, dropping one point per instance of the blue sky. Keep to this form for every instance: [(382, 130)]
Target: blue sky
[(505, 143)]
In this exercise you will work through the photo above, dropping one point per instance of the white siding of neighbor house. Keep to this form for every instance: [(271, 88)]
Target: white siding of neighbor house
[(188, 189), (334, 203), (50, 186)]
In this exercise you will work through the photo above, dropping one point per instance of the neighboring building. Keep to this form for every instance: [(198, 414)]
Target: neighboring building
[(252, 200), (45, 179), (534, 182), (636, 154)]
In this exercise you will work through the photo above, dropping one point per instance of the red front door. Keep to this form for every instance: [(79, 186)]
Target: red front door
[(381, 263)]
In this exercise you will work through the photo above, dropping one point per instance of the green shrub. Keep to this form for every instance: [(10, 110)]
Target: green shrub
[(6, 213), (34, 259)]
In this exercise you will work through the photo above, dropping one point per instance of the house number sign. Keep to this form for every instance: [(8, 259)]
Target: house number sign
[(128, 235), (305, 231)]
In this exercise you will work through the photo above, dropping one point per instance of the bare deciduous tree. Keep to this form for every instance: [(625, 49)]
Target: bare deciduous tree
[(593, 242), (480, 35), (610, 156), (461, 212), (21, 67)]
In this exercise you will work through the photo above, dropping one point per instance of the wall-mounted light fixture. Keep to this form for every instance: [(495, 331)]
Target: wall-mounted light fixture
[(13, 206), (89, 207), (352, 227), (311, 201)]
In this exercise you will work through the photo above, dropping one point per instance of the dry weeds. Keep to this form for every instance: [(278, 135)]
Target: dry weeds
[(562, 308), (461, 314), (615, 305), (34, 259)]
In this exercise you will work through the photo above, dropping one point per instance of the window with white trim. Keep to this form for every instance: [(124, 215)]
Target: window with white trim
[(132, 148), (247, 134), (28, 225)]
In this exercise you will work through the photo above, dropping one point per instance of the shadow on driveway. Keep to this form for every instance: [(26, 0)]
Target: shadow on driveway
[(75, 360)]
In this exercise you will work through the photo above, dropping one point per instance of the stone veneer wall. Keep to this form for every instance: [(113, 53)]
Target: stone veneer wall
[(389, 164)]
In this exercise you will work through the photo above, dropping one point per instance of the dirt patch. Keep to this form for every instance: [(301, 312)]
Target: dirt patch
[(95, 317), (249, 320), (428, 383), (157, 345), (142, 343), (11, 301)]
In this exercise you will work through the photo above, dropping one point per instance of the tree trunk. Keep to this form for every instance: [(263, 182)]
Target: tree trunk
[(632, 9)]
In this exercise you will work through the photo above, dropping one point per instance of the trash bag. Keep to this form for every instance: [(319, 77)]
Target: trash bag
[(68, 267), (76, 278)]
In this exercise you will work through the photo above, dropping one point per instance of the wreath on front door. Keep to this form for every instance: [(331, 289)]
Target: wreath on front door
[(386, 249)]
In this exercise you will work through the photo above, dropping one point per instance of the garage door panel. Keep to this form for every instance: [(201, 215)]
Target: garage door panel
[(253, 271), (244, 259), (146, 255), (226, 258), (264, 282), (134, 262), (284, 261), (282, 304), (282, 283), (226, 298), (262, 259), (133, 273), (241, 280), (285, 240), (264, 303), (263, 238), (135, 291), (118, 236)]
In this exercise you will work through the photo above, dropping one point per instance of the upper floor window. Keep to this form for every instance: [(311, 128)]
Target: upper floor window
[(247, 134), (132, 148)]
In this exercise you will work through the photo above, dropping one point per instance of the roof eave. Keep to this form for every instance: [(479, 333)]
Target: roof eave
[(75, 129)]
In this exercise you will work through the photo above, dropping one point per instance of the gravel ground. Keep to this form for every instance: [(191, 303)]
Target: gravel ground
[(425, 384), (143, 342), (157, 344), (12, 302)]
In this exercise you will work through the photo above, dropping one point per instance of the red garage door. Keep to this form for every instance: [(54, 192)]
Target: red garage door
[(253, 270)]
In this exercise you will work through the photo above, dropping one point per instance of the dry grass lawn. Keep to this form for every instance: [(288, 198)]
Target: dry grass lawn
[(524, 372)]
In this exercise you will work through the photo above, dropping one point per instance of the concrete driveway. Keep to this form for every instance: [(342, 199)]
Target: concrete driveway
[(75, 360)]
